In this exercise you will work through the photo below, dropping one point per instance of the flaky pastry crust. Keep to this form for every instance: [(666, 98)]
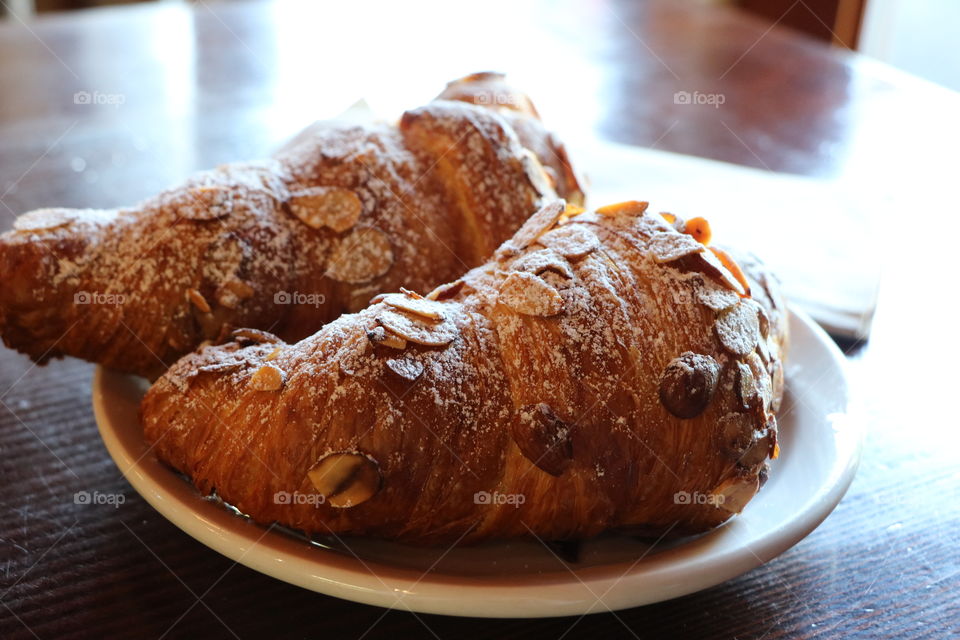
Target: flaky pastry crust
[(603, 371)]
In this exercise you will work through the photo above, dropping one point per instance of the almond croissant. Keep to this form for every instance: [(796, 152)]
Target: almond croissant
[(603, 371), (286, 244)]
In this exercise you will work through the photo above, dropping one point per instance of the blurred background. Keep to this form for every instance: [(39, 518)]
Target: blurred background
[(884, 29)]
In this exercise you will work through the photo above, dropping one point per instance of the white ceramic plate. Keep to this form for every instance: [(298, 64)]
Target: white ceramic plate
[(820, 450)]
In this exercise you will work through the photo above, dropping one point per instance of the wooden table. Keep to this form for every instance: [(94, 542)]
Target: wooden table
[(174, 88)]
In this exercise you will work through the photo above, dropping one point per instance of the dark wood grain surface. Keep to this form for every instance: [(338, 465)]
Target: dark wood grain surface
[(177, 88)]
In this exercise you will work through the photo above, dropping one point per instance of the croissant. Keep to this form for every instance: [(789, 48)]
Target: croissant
[(286, 244), (603, 371)]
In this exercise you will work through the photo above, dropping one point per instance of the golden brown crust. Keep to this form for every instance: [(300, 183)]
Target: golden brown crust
[(283, 245), (540, 396)]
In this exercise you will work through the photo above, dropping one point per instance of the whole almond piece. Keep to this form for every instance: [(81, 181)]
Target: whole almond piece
[(688, 383), (543, 438)]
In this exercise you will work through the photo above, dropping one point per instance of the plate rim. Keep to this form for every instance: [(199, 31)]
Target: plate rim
[(489, 596)]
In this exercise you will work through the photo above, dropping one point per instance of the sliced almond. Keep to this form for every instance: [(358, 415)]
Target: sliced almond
[(539, 179), (202, 203), (733, 494), (543, 438), (407, 368), (417, 306), (757, 453), (197, 299), (745, 386), (707, 262), (232, 292), (363, 254), (44, 219), (764, 322), (736, 430), (668, 246), (537, 225), (267, 378), (333, 207), (763, 349), (352, 356), (346, 479), (571, 241), (710, 295), (629, 207), (674, 221), (379, 335), (732, 268), (763, 382), (273, 354), (416, 328), (446, 291), (777, 385), (256, 336), (537, 262), (699, 229), (530, 295), (738, 329)]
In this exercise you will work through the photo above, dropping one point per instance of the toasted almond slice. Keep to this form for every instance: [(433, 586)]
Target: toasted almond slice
[(256, 336), (736, 430), (571, 241), (537, 224), (202, 203), (346, 478), (416, 328), (708, 263), (407, 368), (198, 300), (446, 291), (757, 453), (44, 219), (232, 292), (668, 246), (537, 262), (379, 335), (333, 207), (776, 381), (417, 306), (733, 494), (267, 378), (273, 354), (538, 178), (713, 297), (699, 229), (733, 269), (764, 321), (363, 254), (764, 381), (352, 356), (530, 295), (738, 329), (745, 386), (629, 207)]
